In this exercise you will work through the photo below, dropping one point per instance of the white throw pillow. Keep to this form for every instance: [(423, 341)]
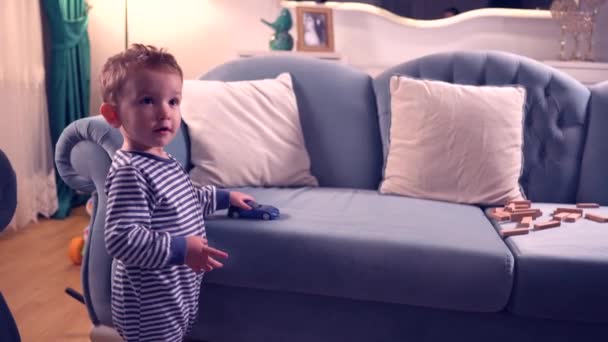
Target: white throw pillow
[(455, 143), (245, 133)]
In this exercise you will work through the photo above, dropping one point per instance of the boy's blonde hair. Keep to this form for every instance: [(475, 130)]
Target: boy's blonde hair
[(117, 68)]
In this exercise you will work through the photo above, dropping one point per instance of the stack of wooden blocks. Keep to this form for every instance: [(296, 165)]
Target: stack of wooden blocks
[(523, 214)]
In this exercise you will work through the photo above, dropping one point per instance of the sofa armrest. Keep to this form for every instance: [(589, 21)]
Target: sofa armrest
[(84, 151), (83, 156), (593, 184)]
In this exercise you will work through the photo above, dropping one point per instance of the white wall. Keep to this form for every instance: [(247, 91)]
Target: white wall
[(205, 33), (397, 42), (200, 33), (373, 39), (106, 34)]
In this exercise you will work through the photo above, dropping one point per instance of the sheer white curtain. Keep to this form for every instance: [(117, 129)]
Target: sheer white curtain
[(24, 136)]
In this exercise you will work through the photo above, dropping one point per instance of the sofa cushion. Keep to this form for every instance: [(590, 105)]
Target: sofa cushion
[(360, 244), (245, 133), (456, 143), (337, 110), (561, 273), (555, 112)]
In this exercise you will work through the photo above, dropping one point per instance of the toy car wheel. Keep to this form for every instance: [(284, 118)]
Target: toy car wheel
[(265, 216), (234, 214)]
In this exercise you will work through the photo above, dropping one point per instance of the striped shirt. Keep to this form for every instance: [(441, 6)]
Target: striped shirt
[(151, 207)]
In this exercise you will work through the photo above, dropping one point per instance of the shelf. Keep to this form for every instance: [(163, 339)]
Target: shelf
[(588, 73), (321, 55), (577, 65)]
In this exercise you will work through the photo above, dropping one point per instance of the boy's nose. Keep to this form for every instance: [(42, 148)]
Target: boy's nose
[(164, 112)]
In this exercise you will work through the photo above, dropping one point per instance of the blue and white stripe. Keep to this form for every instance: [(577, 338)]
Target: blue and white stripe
[(151, 206)]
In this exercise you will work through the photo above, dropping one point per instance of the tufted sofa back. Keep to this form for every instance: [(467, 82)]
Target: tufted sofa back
[(594, 168), (337, 108), (555, 112)]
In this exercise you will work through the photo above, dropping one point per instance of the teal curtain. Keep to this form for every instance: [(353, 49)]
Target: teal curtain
[(68, 78)]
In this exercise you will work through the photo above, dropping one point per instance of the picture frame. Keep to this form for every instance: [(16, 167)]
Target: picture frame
[(315, 29)]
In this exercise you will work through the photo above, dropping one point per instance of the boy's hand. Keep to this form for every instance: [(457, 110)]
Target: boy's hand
[(199, 256), (238, 199)]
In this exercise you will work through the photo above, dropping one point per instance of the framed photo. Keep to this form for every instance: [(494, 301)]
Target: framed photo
[(315, 29)]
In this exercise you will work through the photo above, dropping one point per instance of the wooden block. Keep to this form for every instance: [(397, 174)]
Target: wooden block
[(517, 216), (572, 217), (587, 205), (500, 216), (505, 216), (569, 210), (546, 225), (525, 222), (519, 210), (560, 216), (522, 206), (596, 218), (510, 207), (521, 202), (514, 231)]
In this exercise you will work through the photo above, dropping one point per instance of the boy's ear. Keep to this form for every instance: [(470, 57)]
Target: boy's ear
[(110, 114)]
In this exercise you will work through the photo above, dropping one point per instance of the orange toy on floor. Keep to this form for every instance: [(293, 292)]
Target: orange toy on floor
[(75, 250), (77, 244)]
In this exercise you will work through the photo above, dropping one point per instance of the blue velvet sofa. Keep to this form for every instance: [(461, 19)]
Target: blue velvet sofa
[(346, 263)]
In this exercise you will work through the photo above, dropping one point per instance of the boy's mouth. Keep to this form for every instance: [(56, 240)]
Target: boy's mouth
[(163, 130)]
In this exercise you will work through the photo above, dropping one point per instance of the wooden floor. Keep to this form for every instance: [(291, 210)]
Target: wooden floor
[(34, 272)]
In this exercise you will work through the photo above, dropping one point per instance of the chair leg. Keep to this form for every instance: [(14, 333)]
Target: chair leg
[(74, 294)]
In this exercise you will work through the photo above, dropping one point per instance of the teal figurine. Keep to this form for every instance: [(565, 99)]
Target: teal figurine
[(281, 39)]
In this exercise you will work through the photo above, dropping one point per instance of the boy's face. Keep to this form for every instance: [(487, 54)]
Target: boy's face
[(148, 111)]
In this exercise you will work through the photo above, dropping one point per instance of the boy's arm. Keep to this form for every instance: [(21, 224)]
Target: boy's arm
[(128, 236), (212, 199)]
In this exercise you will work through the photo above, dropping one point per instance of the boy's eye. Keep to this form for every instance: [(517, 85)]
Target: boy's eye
[(174, 102), (146, 100)]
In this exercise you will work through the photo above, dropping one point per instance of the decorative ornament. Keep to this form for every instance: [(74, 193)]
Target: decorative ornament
[(576, 20), (281, 39)]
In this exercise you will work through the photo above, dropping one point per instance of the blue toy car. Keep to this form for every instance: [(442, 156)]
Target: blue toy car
[(258, 211)]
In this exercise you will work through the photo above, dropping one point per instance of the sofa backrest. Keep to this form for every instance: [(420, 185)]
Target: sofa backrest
[(555, 112), (337, 111), (594, 168)]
